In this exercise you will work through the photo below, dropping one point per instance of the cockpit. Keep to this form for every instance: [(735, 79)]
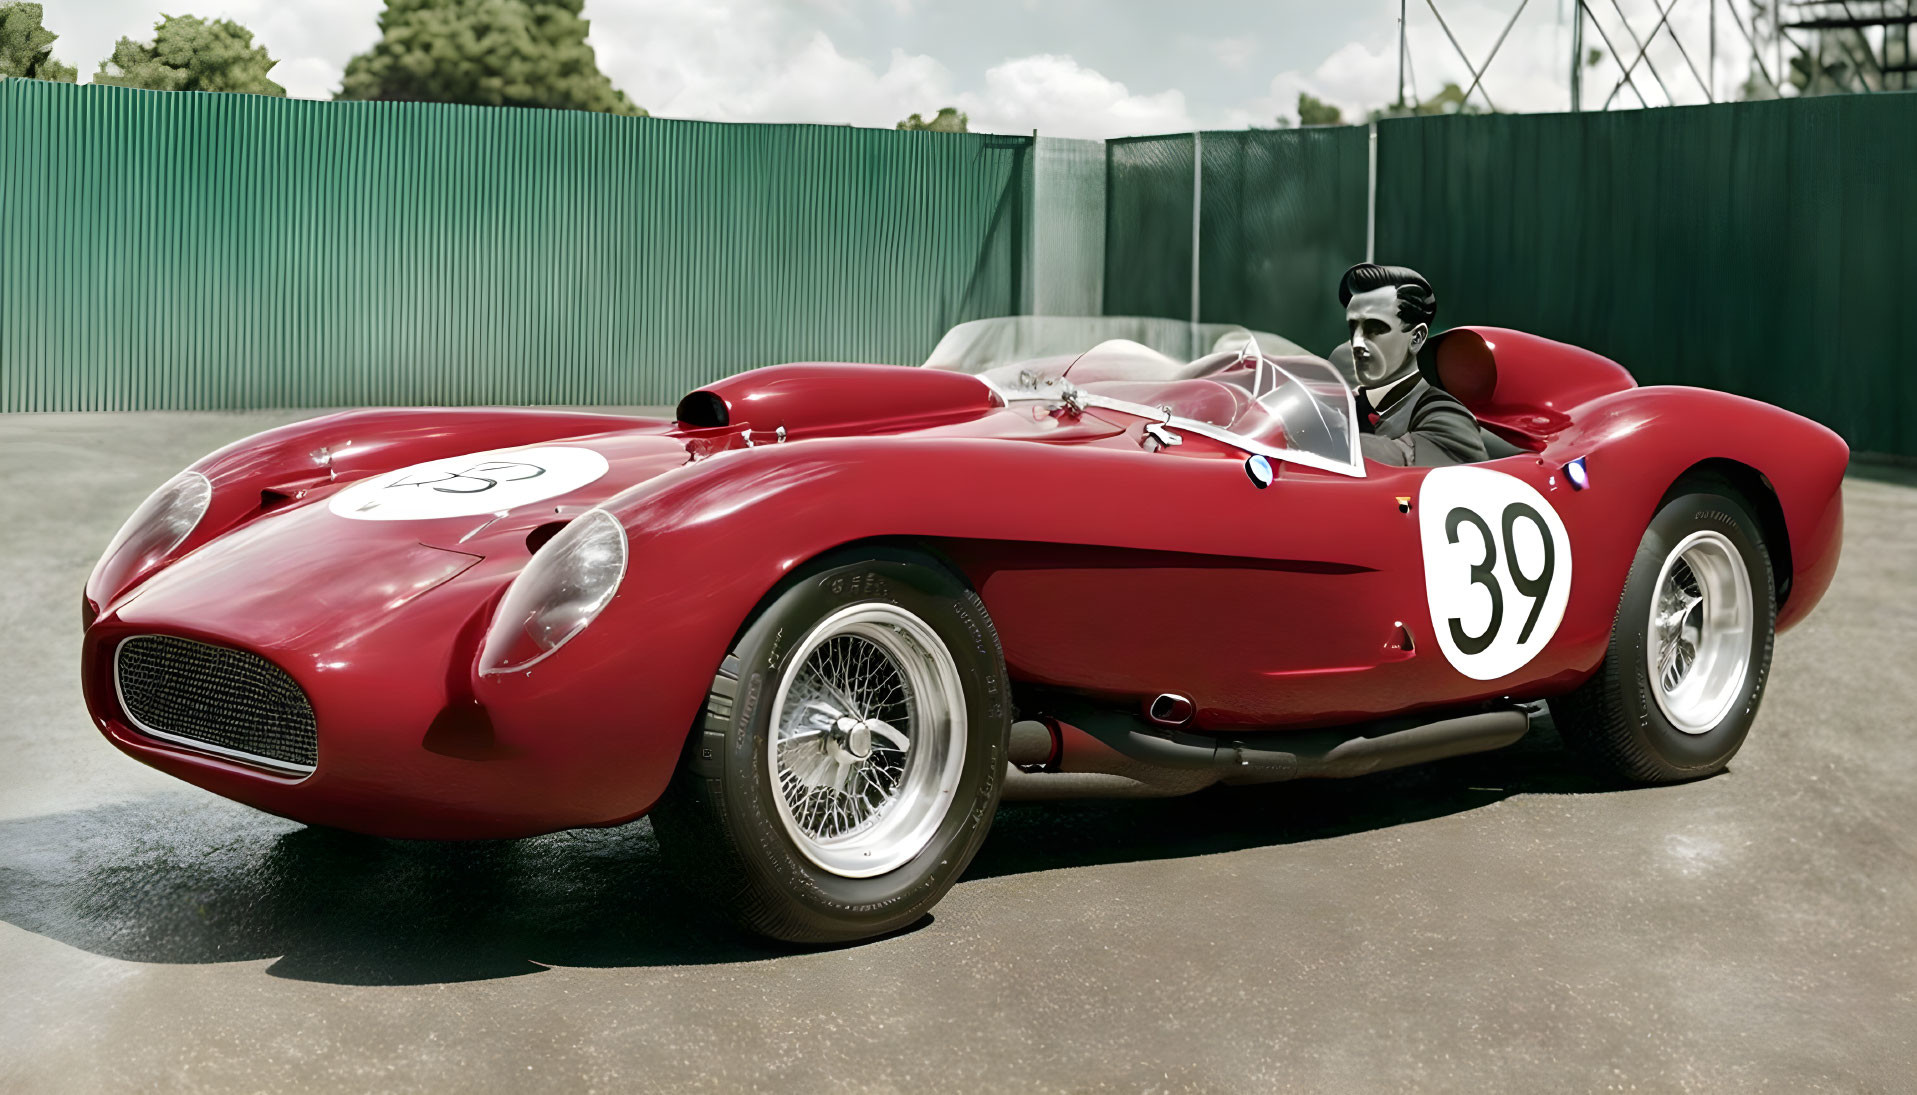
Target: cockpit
[(1251, 390)]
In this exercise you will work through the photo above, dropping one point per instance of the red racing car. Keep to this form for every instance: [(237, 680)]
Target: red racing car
[(798, 624)]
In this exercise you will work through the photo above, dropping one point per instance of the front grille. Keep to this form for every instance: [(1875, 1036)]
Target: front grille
[(215, 698)]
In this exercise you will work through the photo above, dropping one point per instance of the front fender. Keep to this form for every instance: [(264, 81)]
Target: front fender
[(708, 542), (257, 474)]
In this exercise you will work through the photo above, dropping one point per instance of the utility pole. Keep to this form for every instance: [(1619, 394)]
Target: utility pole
[(1711, 92), (1197, 211), (1777, 36), (1577, 56), (1401, 49)]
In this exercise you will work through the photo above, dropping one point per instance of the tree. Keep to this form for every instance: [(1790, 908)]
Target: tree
[(1449, 100), (192, 54), (530, 53), (26, 47), (948, 120), (1315, 111), (1837, 61)]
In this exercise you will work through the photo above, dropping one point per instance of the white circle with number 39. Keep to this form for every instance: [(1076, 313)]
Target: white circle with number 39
[(1497, 569)]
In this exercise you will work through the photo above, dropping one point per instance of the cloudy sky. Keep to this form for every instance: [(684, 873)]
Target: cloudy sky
[(1076, 68)]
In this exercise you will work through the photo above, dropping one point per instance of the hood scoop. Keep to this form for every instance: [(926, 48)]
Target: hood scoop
[(814, 399)]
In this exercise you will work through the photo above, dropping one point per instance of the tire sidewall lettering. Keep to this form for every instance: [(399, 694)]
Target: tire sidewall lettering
[(978, 793), (1680, 751)]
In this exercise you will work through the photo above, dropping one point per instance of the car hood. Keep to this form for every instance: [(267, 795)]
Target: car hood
[(490, 502), (318, 568)]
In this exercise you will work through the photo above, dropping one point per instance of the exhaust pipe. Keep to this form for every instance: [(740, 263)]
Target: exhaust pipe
[(1170, 709), (1331, 754), (1054, 760), (1134, 758)]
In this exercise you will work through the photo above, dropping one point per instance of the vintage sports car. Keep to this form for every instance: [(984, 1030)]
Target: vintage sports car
[(798, 624)]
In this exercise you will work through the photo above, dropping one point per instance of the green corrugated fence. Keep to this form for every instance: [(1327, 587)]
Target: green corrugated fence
[(166, 250), (169, 250), (1148, 206), (1757, 248), (1281, 216), (1760, 248)]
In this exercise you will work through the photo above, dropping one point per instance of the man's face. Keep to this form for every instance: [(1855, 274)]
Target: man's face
[(1381, 345)]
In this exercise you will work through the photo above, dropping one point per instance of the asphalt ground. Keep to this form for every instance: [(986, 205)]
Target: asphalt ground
[(1498, 922)]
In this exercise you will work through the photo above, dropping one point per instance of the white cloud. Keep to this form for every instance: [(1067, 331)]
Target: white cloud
[(1062, 98), (863, 62), (748, 60), (859, 62), (758, 61), (1234, 53), (1351, 78)]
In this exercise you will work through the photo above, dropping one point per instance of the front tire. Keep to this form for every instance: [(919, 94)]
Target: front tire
[(850, 756), (1690, 648)]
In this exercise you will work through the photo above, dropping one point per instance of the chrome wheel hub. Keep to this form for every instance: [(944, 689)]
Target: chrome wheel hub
[(1700, 632), (867, 741)]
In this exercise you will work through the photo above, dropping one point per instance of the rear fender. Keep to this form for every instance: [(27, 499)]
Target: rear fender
[(1648, 438)]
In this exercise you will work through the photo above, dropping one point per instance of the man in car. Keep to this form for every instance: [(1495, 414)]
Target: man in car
[(1402, 419)]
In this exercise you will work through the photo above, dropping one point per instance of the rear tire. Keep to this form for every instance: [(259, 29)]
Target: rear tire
[(850, 757), (1690, 648)]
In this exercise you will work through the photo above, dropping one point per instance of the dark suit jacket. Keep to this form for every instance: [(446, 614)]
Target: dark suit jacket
[(1418, 426)]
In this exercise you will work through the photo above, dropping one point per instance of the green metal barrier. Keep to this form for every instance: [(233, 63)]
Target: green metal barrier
[(1281, 216), (222, 251), (168, 250), (1758, 248), (1148, 206)]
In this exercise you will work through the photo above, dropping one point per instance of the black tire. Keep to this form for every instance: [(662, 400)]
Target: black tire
[(719, 824), (1615, 720)]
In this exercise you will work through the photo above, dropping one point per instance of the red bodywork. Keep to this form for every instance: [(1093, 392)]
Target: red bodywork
[(1111, 568)]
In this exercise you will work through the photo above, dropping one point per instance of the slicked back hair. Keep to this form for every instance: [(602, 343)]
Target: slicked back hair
[(1417, 301)]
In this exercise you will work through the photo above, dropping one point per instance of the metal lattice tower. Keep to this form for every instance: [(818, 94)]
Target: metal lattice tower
[(1665, 52)]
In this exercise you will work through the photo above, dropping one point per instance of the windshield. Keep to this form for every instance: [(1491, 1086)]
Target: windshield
[(1309, 401), (1279, 402), (986, 344)]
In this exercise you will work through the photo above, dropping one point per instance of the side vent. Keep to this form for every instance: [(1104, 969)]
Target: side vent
[(702, 410)]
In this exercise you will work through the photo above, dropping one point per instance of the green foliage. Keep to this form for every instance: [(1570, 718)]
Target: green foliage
[(529, 53), (1315, 111), (948, 120), (26, 47), (1838, 61), (1449, 100), (1592, 56), (192, 54)]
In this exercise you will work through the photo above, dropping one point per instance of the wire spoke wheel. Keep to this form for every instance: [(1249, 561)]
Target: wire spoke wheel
[(851, 752), (1683, 674), (1700, 632), (868, 740)]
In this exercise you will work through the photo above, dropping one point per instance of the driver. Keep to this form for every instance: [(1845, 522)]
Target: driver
[(1402, 419)]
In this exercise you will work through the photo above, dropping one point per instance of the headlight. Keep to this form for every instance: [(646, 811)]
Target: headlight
[(567, 583), (161, 523)]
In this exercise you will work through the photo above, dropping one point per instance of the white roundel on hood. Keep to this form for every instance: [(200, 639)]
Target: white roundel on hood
[(466, 486)]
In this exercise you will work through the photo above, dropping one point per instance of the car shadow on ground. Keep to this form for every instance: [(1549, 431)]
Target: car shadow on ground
[(194, 879)]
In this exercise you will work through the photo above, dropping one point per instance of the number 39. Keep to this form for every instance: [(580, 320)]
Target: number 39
[(1484, 572)]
